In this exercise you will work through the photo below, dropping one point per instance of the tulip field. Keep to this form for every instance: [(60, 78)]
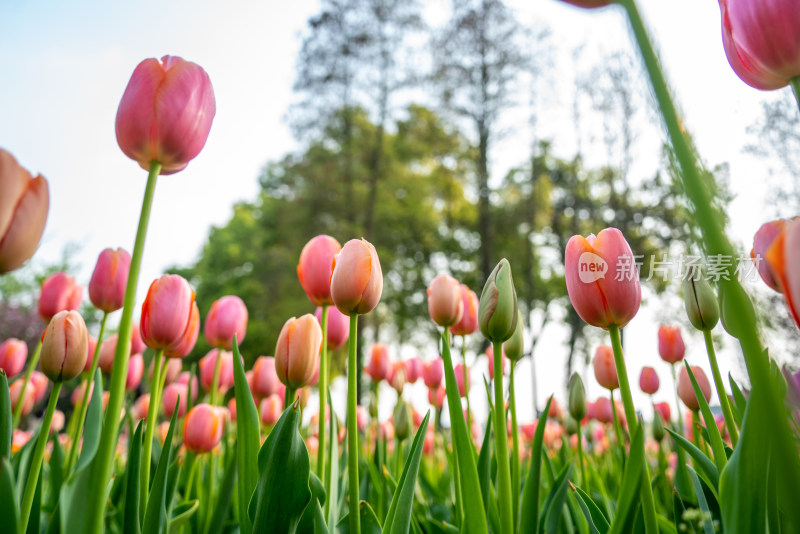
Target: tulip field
[(152, 444)]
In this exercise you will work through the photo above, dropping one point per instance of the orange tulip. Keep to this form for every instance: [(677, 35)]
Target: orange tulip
[(64, 346), (469, 318), (445, 304), (357, 280), (297, 351), (605, 369), (686, 391), (670, 344)]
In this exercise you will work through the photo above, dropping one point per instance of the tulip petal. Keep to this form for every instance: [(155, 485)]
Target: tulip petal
[(22, 237)]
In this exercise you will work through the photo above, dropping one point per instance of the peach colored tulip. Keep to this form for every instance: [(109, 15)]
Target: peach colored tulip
[(59, 292), (207, 366), (397, 377), (40, 384), (338, 327), (170, 396), (357, 280), (165, 113), (77, 394), (605, 370), (762, 241), (140, 407), (686, 391), (469, 316), (782, 260), (297, 351), (490, 357), (433, 372), (648, 380), (265, 377), (189, 340), (166, 312), (64, 346), (13, 353), (379, 366), (203, 428), (414, 369), (271, 409), (109, 279), (314, 269), (664, 410), (445, 304), (602, 279), (57, 424), (436, 397), (670, 344), (24, 203), (462, 386), (135, 371), (226, 318), (29, 398)]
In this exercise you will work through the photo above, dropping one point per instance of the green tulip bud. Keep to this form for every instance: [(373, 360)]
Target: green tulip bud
[(700, 301), (402, 420), (571, 427), (497, 311), (658, 426), (514, 348), (577, 397)]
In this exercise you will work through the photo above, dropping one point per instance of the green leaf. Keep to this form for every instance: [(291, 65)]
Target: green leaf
[(398, 519), (529, 511), (36, 507), (631, 482), (155, 515), (739, 401), (708, 526), (223, 503), (282, 493), (369, 521), (93, 424), (9, 505), (131, 509), (56, 477), (319, 519), (248, 439), (332, 463), (6, 418), (554, 503), (720, 458), (598, 522), (703, 461), (181, 515), (485, 464)]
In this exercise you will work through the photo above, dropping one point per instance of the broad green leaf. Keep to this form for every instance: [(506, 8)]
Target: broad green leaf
[(369, 521), (181, 514), (703, 461), (6, 418), (9, 505), (36, 507), (56, 477), (720, 458), (678, 511), (631, 482), (223, 503), (131, 509), (155, 514), (708, 527), (308, 522), (598, 522), (529, 511), (398, 519), (93, 424), (319, 519), (739, 401), (553, 507), (485, 464), (282, 493), (248, 440)]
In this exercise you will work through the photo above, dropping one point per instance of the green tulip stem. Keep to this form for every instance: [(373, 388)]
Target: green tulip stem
[(289, 395), (648, 503), (214, 396), (398, 458), (617, 427), (352, 427), (724, 401), (187, 493), (515, 464), (323, 402), (89, 379), (31, 365), (677, 399), (152, 420), (501, 444), (38, 456), (466, 379), (580, 455)]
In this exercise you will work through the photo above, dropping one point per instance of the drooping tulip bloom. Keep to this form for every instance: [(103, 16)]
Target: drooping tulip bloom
[(135, 372), (433, 372), (208, 365), (265, 377), (165, 113), (203, 427), (762, 41), (314, 269), (186, 345), (686, 391), (602, 279), (436, 397), (24, 202), (109, 279), (663, 409), (338, 327), (227, 316), (414, 369), (13, 353), (497, 308), (605, 369), (59, 292), (445, 303), (763, 239), (648, 380), (271, 408), (490, 357), (297, 350), (64, 346), (670, 344), (462, 385), (784, 265), (167, 312), (357, 279), (170, 397), (379, 366)]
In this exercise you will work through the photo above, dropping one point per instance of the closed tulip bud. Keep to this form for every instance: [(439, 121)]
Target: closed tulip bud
[(338, 327), (24, 202), (265, 377), (670, 344), (137, 343), (469, 318), (514, 348), (663, 410), (189, 380), (107, 351), (135, 371), (13, 354), (648, 380), (436, 397), (463, 385), (170, 397), (700, 302), (167, 312), (762, 241), (59, 292), (357, 280), (186, 345), (781, 257), (603, 411), (297, 351), (433, 373), (490, 357), (555, 410), (402, 420), (600, 297), (577, 398), (686, 391), (109, 279), (203, 427), (445, 305), (64, 346), (658, 427), (28, 400), (165, 113), (314, 269), (226, 318), (605, 369), (208, 364), (497, 310), (397, 377), (271, 408), (40, 384), (414, 369), (379, 366)]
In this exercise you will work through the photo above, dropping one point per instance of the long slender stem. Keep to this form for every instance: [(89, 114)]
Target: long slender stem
[(187, 492), (152, 420), (352, 427), (465, 372), (323, 402), (617, 427), (515, 464), (36, 463), (288, 398), (580, 456), (724, 401), (214, 396), (31, 366), (677, 399), (101, 469), (501, 444), (73, 451)]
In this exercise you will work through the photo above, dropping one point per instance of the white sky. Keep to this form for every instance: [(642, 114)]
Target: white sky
[(65, 65)]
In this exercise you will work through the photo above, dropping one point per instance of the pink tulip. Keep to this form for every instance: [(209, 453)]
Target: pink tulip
[(207, 368), (140, 407), (397, 377), (137, 343), (602, 278), (203, 428), (664, 410), (648, 380), (186, 345), (227, 316), (29, 398), (64, 346), (357, 280), (462, 386), (13, 354), (170, 396), (490, 356), (172, 370), (135, 371), (445, 304), (232, 408), (108, 349), (271, 408), (670, 344), (109, 279), (762, 41), (186, 378), (24, 202), (40, 384), (469, 317), (91, 347), (57, 424), (414, 369), (762, 241), (19, 439), (167, 312), (379, 366), (338, 327), (605, 369), (603, 410), (165, 113), (433, 372), (265, 377), (59, 292), (297, 351), (436, 397), (315, 268), (362, 416), (77, 394), (686, 391)]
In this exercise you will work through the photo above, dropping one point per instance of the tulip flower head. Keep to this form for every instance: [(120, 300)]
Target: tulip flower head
[(603, 410), (514, 347), (397, 378), (338, 327), (602, 280), (13, 353), (414, 369), (445, 304), (208, 364), (135, 371), (265, 377), (436, 397), (24, 203), (271, 408), (39, 382), (469, 318), (577, 398), (64, 346), (490, 357), (167, 312), (686, 391), (297, 351), (460, 382), (605, 369), (700, 302), (497, 309), (357, 279), (762, 241), (433, 373), (648, 380), (663, 409), (203, 427), (590, 4), (782, 257), (189, 339), (226, 318), (165, 113), (379, 366), (28, 400), (172, 392), (109, 279), (670, 344), (314, 269), (59, 292)]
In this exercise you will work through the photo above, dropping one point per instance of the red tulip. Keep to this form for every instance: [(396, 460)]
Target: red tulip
[(167, 312), (379, 366), (670, 344), (315, 268), (663, 409), (602, 278), (265, 377), (170, 396), (208, 365), (59, 292), (686, 391), (203, 427), (357, 280), (271, 408), (338, 327), (24, 202), (165, 113), (414, 369), (297, 351), (648, 380), (462, 385), (605, 369), (13, 354), (445, 303), (186, 345), (135, 371), (109, 279), (762, 41), (781, 257), (762, 241), (227, 316), (64, 346), (469, 317), (433, 372)]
